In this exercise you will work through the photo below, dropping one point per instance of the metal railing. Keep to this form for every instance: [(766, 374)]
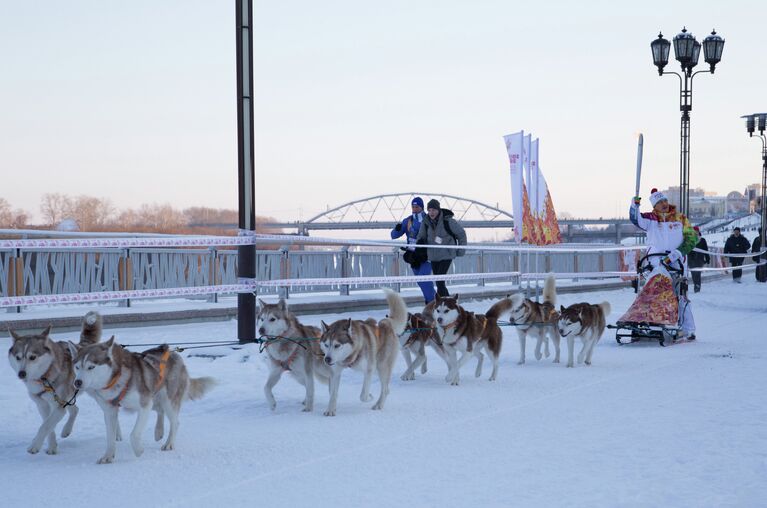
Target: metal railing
[(39, 271)]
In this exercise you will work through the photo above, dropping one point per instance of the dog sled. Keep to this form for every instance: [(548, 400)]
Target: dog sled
[(655, 314)]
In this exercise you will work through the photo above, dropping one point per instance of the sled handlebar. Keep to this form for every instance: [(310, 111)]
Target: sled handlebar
[(648, 267)]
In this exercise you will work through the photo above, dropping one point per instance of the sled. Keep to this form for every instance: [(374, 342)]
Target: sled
[(654, 315)]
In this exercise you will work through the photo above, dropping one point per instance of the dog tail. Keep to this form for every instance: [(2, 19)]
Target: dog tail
[(550, 290), (199, 386), (497, 310), (605, 306), (397, 311), (91, 329)]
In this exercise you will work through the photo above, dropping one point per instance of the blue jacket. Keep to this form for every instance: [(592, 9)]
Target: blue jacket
[(410, 227)]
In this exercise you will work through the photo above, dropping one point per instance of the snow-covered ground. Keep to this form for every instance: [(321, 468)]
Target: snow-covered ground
[(644, 426)]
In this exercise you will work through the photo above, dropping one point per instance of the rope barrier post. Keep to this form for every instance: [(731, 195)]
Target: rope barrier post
[(601, 262), (246, 174), (575, 266), (212, 272), (284, 291), (481, 268), (395, 269), (345, 269), (19, 277)]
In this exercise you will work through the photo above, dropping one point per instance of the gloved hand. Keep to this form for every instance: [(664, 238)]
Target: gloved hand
[(398, 227), (673, 257), (637, 200)]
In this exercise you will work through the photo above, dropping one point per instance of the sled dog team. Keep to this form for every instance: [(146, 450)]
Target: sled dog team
[(157, 379)]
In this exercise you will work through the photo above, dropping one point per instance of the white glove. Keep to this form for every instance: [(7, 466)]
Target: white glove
[(675, 256)]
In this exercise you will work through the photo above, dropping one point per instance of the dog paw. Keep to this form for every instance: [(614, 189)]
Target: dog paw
[(158, 433), (407, 377), (366, 398), (491, 378), (570, 366), (307, 409), (106, 459), (138, 451), (588, 363), (521, 362), (556, 360), (377, 406), (33, 449), (167, 447), (538, 356), (329, 413), (66, 432), (52, 451)]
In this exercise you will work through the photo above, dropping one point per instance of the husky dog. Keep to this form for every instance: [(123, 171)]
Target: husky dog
[(422, 333), (460, 330), (289, 350), (45, 367), (116, 377), (538, 320), (586, 321), (364, 345)]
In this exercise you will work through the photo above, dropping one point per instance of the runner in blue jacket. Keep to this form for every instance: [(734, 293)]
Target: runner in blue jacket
[(416, 257)]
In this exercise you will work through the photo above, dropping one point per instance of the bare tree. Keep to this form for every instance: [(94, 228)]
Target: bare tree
[(12, 218), (55, 207), (91, 213)]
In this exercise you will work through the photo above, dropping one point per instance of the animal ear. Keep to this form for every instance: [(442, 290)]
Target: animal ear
[(47, 331), (437, 298), (14, 335), (283, 305), (324, 326), (349, 326), (456, 298), (110, 344), (561, 308), (261, 303), (72, 349)]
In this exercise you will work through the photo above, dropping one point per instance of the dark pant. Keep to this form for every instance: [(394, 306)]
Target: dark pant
[(736, 274), (441, 268), (695, 275)]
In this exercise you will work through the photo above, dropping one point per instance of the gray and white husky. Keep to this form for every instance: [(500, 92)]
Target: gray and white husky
[(537, 320), (45, 368), (366, 346), (117, 378), (584, 320), (290, 349)]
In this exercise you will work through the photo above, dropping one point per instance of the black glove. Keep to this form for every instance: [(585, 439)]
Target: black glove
[(398, 227)]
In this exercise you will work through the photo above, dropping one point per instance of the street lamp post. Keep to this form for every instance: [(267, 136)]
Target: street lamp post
[(687, 52), (754, 122)]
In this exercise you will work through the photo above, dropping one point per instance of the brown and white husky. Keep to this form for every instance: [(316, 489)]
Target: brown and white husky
[(117, 378), (469, 333), (290, 349), (537, 320), (45, 368), (584, 320), (366, 346), (423, 333)]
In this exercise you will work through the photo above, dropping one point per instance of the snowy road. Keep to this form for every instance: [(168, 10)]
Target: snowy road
[(644, 426)]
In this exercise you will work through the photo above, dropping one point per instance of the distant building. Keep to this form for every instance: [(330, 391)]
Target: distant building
[(704, 205)]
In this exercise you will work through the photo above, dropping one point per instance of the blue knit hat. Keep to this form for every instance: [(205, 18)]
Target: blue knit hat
[(417, 201)]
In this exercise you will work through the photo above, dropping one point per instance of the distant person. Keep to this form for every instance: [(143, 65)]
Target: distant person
[(697, 260), (761, 271), (416, 257), (440, 228), (736, 244)]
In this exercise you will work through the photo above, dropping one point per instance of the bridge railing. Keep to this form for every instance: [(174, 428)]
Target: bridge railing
[(43, 271)]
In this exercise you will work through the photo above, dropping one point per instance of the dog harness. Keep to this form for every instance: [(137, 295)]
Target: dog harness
[(48, 388), (116, 401), (161, 369)]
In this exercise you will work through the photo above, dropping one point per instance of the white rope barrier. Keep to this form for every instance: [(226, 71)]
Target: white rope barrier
[(249, 285), (731, 254)]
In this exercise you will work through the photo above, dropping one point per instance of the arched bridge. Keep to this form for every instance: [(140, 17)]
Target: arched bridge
[(384, 210)]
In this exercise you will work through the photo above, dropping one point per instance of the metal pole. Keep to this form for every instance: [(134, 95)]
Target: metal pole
[(246, 254), (685, 106), (764, 195)]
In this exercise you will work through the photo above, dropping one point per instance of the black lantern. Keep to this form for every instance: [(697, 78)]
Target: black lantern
[(750, 124), (695, 55), (762, 124), (713, 45), (660, 49), (684, 44)]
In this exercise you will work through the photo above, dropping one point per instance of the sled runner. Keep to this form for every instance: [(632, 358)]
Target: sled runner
[(654, 315)]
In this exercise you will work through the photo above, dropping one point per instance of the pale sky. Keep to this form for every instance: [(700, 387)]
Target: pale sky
[(135, 101)]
